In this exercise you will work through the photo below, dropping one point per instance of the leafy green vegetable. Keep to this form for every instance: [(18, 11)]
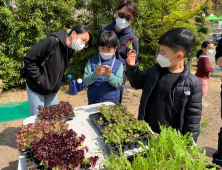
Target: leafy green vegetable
[(124, 124), (169, 150)]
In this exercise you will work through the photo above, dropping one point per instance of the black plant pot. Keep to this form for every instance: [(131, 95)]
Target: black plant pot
[(112, 146), (144, 140), (41, 167), (135, 131), (132, 145), (115, 151), (85, 167), (137, 145), (125, 146)]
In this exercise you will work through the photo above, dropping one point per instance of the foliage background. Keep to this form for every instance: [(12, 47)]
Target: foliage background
[(24, 24)]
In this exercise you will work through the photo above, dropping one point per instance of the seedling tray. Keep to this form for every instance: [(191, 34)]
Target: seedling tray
[(67, 118), (31, 162), (95, 117), (128, 149)]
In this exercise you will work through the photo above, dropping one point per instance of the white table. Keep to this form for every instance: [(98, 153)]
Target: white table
[(82, 124)]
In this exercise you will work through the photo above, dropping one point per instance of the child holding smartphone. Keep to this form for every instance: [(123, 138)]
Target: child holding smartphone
[(104, 73)]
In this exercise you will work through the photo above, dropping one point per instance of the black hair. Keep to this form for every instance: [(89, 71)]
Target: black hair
[(178, 39), (80, 29), (107, 39), (130, 5), (204, 45)]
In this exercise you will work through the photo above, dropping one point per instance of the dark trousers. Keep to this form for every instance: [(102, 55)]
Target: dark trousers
[(121, 88)]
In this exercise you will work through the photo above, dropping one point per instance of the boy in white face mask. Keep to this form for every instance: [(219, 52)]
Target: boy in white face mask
[(104, 73), (171, 94), (204, 66), (125, 13)]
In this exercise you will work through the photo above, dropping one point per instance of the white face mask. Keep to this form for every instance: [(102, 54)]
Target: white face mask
[(77, 45), (164, 62), (209, 52), (106, 56), (122, 23)]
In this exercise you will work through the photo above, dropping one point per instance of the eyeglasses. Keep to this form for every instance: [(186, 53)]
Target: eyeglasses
[(122, 15), (83, 40)]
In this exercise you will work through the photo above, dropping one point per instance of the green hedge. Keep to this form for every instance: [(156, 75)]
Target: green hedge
[(25, 25)]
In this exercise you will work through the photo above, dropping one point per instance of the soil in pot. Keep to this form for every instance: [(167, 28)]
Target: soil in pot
[(30, 164)]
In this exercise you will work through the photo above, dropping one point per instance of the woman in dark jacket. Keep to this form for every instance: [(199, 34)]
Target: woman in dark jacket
[(44, 81)]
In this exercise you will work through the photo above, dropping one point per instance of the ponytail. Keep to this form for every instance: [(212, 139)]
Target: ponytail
[(79, 29), (204, 45), (199, 53)]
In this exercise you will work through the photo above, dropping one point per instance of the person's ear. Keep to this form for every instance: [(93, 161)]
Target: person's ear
[(180, 55), (115, 49), (203, 49), (116, 14), (73, 34)]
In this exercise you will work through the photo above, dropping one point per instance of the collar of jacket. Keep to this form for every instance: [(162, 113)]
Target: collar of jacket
[(183, 75)]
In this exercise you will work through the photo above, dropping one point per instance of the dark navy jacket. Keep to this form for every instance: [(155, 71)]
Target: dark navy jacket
[(187, 96), (101, 90), (123, 37)]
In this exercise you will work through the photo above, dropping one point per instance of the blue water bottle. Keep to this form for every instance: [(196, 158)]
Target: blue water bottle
[(75, 88), (71, 90), (79, 83)]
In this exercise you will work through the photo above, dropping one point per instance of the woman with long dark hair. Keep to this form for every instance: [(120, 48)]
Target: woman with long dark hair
[(45, 77)]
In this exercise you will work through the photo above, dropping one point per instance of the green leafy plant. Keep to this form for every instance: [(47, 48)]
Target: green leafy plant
[(169, 150), (124, 125), (24, 24), (113, 133), (100, 122)]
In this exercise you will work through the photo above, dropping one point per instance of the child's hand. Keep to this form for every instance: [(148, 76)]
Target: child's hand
[(212, 66), (108, 70), (131, 59), (99, 71)]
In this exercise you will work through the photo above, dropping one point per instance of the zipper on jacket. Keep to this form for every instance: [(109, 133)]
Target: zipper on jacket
[(57, 78), (174, 92), (102, 86), (149, 96)]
